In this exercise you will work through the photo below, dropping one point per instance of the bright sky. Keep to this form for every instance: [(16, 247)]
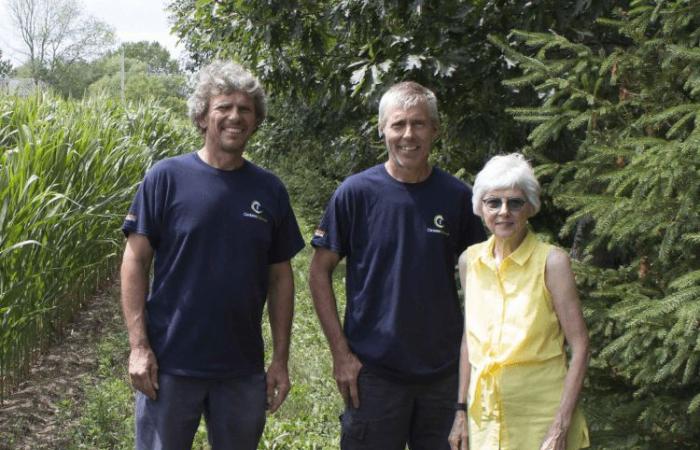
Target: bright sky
[(134, 20)]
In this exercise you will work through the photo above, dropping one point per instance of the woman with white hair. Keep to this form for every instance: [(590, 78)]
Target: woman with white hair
[(521, 305)]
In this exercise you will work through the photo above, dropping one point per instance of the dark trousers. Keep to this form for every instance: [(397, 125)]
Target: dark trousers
[(234, 410), (395, 414)]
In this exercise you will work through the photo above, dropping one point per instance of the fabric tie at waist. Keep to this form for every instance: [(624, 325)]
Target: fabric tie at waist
[(485, 382)]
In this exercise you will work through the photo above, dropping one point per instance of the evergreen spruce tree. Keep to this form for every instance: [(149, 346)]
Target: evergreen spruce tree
[(630, 188)]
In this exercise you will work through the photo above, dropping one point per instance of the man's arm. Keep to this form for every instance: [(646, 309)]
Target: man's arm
[(280, 306), (346, 366), (136, 264)]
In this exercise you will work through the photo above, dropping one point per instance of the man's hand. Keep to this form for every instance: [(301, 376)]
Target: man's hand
[(459, 437), (277, 385), (346, 369), (143, 371)]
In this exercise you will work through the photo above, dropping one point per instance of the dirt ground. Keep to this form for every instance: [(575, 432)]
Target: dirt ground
[(31, 417)]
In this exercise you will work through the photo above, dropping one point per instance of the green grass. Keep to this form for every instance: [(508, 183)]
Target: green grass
[(308, 420), (67, 175)]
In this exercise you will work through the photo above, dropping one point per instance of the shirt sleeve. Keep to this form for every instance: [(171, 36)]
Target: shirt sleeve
[(472, 230), (287, 240), (332, 233), (145, 214)]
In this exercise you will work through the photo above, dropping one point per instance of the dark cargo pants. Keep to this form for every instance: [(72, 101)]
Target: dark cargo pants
[(395, 414)]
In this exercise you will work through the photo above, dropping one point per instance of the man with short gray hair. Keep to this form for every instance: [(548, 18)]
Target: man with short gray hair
[(220, 232), (401, 225)]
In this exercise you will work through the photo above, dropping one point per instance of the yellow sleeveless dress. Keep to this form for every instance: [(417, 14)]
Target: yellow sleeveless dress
[(516, 350)]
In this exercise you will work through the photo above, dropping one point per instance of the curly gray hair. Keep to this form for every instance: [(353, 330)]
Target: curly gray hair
[(224, 77), (407, 94)]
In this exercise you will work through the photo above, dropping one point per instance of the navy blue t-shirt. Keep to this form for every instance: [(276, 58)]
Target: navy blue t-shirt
[(403, 318), (215, 234)]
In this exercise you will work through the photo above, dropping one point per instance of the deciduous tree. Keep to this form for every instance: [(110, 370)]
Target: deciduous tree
[(326, 63), (156, 57), (141, 82), (57, 31)]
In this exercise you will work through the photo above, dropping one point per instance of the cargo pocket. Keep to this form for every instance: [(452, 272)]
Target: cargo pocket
[(353, 432)]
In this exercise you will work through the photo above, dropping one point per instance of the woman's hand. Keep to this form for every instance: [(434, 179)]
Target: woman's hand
[(555, 439), (560, 281), (459, 437)]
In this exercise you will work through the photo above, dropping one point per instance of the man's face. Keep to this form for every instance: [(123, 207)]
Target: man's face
[(409, 135), (229, 122)]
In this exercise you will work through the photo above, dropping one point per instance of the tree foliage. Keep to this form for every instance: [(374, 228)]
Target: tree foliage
[(5, 67), (56, 32), (156, 57), (149, 73), (327, 63), (145, 78), (630, 190), (602, 95)]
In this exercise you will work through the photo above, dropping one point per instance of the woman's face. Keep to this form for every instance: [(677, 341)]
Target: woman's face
[(505, 212)]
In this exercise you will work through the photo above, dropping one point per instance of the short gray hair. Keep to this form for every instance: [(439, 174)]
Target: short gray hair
[(506, 172), (224, 77), (408, 94)]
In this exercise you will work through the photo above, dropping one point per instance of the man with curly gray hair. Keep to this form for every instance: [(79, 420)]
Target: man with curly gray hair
[(220, 232)]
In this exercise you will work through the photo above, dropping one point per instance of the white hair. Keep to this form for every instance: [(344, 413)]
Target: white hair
[(407, 94), (506, 172)]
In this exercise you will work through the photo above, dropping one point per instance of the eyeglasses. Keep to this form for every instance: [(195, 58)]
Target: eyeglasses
[(514, 204)]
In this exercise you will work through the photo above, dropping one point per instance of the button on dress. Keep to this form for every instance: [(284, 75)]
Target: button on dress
[(516, 350)]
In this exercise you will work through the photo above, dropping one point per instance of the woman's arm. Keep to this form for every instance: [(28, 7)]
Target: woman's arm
[(559, 279), (459, 436)]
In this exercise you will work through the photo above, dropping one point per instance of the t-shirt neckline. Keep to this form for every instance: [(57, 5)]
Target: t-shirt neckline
[(218, 171), (386, 173)]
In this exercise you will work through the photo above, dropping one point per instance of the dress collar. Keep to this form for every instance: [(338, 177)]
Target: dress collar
[(519, 256)]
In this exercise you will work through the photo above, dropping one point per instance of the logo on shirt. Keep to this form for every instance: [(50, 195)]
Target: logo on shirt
[(257, 209), (439, 222)]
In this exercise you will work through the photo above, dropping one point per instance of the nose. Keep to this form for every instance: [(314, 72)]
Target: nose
[(408, 131), (234, 113), (504, 208)]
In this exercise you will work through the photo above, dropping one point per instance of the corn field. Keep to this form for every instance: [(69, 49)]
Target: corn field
[(68, 171)]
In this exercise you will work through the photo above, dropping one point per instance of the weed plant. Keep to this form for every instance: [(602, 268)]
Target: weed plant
[(308, 420)]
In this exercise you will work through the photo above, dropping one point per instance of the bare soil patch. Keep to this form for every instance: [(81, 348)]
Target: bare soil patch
[(32, 417)]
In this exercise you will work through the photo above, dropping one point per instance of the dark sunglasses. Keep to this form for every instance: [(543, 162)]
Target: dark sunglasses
[(514, 204)]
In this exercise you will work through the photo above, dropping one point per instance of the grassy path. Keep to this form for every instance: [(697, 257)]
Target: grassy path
[(78, 396)]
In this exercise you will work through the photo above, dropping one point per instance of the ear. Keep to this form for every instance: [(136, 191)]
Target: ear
[(202, 122), (436, 133), (530, 210)]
